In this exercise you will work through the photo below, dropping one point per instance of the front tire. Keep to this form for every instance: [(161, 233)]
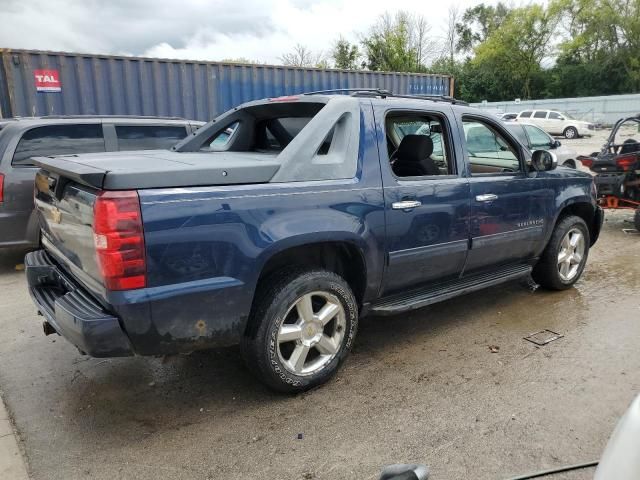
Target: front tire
[(301, 329), (570, 133), (636, 219), (565, 256)]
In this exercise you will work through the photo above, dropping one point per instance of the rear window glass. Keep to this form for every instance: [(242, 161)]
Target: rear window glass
[(58, 140), (148, 137)]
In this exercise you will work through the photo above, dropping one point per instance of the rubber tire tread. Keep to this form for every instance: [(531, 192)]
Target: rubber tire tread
[(269, 297), (545, 272)]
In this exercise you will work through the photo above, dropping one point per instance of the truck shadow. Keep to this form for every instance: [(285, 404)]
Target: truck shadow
[(147, 396)]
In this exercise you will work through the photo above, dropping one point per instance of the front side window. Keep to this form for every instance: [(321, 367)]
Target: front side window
[(58, 140), (488, 149), (518, 130), (538, 138), (555, 116), (418, 145), (540, 114), (148, 137), (526, 114)]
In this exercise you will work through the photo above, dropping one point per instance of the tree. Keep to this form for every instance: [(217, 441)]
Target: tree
[(451, 37), (345, 55), (478, 23), (399, 43), (509, 59), (301, 56)]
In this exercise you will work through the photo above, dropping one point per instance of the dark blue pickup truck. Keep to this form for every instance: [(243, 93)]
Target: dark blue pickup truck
[(281, 222)]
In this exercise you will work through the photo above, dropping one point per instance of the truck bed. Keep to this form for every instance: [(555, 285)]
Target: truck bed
[(162, 169)]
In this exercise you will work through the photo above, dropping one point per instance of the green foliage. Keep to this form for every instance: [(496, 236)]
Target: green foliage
[(497, 52), (399, 43), (345, 55)]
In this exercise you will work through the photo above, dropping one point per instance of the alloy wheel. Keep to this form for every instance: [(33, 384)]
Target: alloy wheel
[(312, 333), (571, 253)]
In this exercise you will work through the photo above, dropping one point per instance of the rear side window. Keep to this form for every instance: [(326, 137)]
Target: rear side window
[(58, 140), (539, 114), (148, 137), (525, 114)]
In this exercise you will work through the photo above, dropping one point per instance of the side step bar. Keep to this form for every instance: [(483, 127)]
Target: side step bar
[(405, 301)]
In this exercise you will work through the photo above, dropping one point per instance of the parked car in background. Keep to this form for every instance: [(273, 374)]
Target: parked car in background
[(537, 139), (557, 123), (505, 117), (23, 138), (315, 210)]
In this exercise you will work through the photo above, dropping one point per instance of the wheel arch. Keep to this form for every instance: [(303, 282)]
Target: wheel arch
[(345, 257), (583, 209)]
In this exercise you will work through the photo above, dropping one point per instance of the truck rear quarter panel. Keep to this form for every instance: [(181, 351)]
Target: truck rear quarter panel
[(206, 247)]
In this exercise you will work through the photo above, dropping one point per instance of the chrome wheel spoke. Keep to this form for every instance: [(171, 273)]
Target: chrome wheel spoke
[(327, 312), (562, 257), (326, 345), (576, 258), (305, 308), (298, 357), (289, 333)]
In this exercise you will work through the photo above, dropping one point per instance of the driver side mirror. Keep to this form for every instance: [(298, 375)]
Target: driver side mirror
[(543, 160), (556, 144)]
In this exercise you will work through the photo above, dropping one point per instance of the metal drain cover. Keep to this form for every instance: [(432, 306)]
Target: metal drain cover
[(543, 337)]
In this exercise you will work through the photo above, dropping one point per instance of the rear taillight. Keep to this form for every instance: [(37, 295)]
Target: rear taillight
[(625, 163), (1, 188), (119, 240), (587, 162)]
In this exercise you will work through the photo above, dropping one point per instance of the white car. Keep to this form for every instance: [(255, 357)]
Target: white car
[(557, 123), (537, 139)]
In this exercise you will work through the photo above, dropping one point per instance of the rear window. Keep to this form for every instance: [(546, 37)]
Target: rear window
[(148, 137), (58, 140)]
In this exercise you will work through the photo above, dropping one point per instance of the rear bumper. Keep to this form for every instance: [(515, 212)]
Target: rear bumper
[(72, 312)]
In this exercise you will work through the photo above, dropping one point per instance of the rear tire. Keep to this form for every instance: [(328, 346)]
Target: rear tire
[(291, 348), (636, 219), (570, 133), (565, 256)]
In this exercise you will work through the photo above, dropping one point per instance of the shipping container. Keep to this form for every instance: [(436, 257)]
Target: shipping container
[(36, 83)]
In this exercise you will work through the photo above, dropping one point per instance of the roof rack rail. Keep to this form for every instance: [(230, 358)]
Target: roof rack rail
[(362, 92), (379, 91), (81, 116)]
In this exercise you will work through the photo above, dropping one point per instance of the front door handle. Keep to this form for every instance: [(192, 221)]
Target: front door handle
[(406, 204), (487, 197)]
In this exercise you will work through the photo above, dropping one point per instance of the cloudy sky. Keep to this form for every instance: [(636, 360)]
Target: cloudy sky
[(199, 29)]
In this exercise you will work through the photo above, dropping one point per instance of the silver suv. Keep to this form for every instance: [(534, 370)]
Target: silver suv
[(23, 138)]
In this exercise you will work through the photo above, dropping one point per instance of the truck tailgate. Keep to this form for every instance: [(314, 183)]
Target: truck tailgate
[(65, 209)]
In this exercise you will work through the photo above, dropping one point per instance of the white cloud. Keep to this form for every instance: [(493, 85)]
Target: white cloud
[(199, 29)]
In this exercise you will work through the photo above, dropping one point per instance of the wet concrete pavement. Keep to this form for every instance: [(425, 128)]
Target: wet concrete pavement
[(423, 387)]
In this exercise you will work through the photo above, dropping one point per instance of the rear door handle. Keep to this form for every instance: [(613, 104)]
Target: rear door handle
[(487, 197), (405, 204)]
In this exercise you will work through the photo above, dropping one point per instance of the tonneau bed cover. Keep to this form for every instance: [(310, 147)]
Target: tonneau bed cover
[(162, 169)]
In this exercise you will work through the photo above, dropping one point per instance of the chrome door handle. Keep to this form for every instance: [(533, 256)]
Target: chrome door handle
[(405, 204), (487, 197)]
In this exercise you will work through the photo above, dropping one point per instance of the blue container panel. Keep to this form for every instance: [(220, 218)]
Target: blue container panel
[(108, 85)]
